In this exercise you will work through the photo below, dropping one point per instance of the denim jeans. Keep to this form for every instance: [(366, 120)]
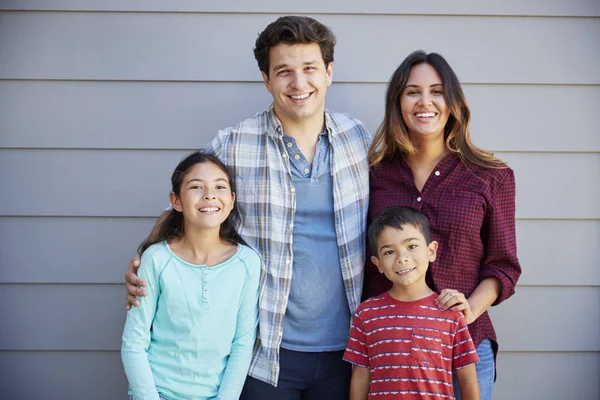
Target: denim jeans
[(304, 376), (485, 371)]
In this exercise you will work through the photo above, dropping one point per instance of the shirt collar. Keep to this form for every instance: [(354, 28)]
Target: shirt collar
[(275, 129)]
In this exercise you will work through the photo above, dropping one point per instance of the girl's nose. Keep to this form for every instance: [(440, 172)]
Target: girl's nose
[(209, 196)]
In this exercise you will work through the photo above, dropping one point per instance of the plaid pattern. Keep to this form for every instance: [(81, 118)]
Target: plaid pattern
[(255, 152), (472, 215)]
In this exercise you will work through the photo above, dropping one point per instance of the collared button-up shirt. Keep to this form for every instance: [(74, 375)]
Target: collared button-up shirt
[(254, 151), (471, 211)]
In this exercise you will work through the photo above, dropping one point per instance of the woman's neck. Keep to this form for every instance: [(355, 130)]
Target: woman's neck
[(429, 152)]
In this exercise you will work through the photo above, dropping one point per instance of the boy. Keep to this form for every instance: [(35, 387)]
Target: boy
[(400, 343)]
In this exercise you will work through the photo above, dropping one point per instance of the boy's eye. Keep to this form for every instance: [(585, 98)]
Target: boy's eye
[(388, 252), (412, 246)]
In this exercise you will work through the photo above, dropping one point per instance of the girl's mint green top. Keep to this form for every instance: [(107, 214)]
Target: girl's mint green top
[(193, 334)]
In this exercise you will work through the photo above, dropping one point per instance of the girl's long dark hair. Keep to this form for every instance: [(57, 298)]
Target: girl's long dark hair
[(172, 225)]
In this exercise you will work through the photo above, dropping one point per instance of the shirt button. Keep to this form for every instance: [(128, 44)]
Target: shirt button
[(293, 190), (306, 170), (289, 144), (205, 288), (296, 157), (437, 173), (205, 279), (419, 199), (287, 261), (283, 155)]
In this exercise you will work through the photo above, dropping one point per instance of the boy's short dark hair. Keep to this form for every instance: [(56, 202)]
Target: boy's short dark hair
[(293, 30), (397, 217)]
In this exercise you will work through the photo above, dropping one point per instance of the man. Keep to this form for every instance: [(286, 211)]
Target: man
[(302, 191)]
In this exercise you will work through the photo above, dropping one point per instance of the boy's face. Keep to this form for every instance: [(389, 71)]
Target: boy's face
[(404, 255), (298, 81)]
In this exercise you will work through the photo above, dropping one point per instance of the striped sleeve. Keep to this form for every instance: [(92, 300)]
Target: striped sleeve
[(463, 349), (356, 350)]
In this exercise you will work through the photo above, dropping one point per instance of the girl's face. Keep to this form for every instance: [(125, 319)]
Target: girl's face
[(205, 197), (423, 106)]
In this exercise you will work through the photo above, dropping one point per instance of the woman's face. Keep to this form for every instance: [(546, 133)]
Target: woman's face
[(423, 106)]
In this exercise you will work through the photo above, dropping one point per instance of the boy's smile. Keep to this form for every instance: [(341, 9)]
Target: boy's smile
[(404, 256)]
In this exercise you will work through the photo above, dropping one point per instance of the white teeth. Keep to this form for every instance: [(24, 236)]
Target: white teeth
[(403, 271), (425, 115), (209, 209), (300, 97)]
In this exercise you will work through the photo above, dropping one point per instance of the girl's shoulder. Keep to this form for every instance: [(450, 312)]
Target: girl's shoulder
[(249, 257), (157, 255)]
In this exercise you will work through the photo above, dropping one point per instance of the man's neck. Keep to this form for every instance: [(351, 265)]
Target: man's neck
[(305, 132)]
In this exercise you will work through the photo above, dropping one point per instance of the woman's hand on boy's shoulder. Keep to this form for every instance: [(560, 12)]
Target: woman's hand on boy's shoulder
[(134, 283), (457, 301)]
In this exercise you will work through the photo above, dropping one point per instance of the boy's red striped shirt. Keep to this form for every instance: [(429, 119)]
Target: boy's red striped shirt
[(410, 348)]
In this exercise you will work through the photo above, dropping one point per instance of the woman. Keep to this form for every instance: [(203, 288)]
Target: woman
[(422, 156)]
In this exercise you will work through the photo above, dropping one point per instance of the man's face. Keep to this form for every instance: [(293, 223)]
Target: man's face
[(298, 80)]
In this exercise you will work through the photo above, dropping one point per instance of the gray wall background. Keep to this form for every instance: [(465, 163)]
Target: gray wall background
[(100, 99)]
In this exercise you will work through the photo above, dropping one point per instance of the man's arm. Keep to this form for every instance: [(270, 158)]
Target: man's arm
[(132, 281), (360, 383), (467, 381)]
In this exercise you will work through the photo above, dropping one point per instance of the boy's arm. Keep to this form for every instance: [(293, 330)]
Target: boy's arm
[(467, 381), (360, 383)]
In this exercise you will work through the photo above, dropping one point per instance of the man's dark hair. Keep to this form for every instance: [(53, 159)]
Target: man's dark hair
[(397, 217), (293, 30)]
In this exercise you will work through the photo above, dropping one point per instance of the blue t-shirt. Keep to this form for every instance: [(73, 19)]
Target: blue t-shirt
[(318, 315), (193, 334)]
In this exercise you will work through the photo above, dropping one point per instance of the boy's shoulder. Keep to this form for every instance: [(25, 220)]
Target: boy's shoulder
[(373, 303)]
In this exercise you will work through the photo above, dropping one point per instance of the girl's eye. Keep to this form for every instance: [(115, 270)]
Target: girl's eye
[(221, 187)]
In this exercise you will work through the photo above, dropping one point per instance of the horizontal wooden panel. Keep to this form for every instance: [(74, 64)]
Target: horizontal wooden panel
[(433, 7), (69, 250), (549, 319), (99, 375), (97, 250), (548, 376), (559, 252), (136, 183), (91, 317), (173, 46), (176, 115), (61, 317), (49, 375)]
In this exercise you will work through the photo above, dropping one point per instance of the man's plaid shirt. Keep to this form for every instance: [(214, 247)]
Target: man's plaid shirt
[(254, 151)]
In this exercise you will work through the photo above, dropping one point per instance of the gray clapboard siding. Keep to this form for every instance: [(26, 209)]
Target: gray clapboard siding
[(548, 376), (62, 375), (136, 183), (181, 115), (97, 250), (99, 375), (433, 7), (154, 46), (90, 317), (61, 317)]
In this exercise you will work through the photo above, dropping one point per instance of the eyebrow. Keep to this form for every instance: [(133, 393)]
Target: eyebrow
[(202, 180), (282, 66), (404, 241), (416, 86)]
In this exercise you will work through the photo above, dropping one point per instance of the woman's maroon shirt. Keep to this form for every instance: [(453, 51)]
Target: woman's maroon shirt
[(472, 215)]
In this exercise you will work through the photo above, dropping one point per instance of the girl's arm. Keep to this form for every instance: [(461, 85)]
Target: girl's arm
[(467, 381), (136, 336), (245, 334)]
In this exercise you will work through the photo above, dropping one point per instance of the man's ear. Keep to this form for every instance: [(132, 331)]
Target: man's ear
[(175, 202), (329, 73), (266, 81), (433, 246), (375, 261)]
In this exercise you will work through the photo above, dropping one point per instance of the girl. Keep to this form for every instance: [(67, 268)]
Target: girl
[(193, 334), (422, 156)]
